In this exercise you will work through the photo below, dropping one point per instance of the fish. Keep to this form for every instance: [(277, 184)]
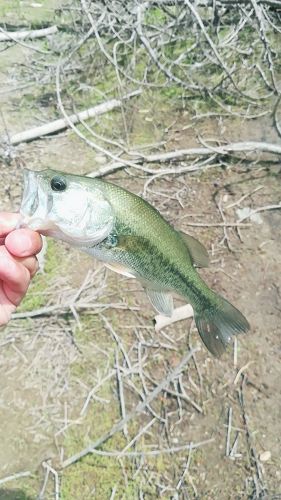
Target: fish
[(133, 239)]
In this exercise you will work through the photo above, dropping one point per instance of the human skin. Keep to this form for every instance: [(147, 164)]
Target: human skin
[(18, 263)]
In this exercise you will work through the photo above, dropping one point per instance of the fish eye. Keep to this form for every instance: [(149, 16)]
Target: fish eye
[(58, 183)]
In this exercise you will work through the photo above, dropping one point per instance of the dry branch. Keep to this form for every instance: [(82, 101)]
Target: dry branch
[(152, 453), (18, 475), (61, 124), (180, 154), (14, 36), (65, 308)]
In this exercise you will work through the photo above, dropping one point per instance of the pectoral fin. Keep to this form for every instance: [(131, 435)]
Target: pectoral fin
[(118, 268), (161, 301), (197, 251)]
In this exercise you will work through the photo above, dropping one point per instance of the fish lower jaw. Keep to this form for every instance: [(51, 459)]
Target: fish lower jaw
[(36, 224)]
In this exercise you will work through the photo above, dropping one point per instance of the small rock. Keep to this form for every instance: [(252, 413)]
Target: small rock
[(101, 159), (265, 456), (247, 212)]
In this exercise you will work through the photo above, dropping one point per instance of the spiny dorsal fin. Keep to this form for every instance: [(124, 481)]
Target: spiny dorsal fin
[(197, 251)]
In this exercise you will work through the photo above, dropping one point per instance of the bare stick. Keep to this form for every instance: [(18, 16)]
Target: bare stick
[(6, 36), (227, 450), (254, 461), (62, 309), (138, 409), (138, 435), (41, 495), (235, 203), (180, 395), (94, 390), (15, 476), (121, 393), (62, 123), (153, 453), (180, 154), (187, 465), (56, 479), (117, 339), (241, 371), (217, 224)]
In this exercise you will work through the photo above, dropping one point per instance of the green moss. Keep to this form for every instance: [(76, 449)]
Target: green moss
[(96, 477), (20, 489), (24, 12), (155, 16)]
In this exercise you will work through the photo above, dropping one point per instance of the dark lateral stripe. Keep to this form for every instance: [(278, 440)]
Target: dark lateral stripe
[(184, 284)]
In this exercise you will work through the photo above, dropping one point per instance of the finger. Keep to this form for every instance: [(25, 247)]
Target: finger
[(6, 308), (23, 242), (31, 264), (15, 277), (8, 222)]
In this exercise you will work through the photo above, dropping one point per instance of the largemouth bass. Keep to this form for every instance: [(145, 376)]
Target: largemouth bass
[(132, 238)]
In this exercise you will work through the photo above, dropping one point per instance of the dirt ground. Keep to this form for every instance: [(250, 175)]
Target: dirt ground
[(40, 357), (67, 375)]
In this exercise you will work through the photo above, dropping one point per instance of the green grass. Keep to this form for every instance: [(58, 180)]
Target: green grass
[(18, 12)]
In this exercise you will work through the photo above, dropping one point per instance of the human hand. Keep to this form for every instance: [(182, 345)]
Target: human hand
[(18, 263)]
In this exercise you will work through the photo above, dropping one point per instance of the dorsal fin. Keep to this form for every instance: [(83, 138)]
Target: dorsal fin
[(197, 251)]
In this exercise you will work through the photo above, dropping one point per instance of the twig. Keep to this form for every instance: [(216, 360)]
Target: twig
[(6, 36), (275, 116), (178, 155), (149, 453), (235, 203), (217, 224), (182, 395), (121, 393), (260, 486), (61, 124), (138, 435), (94, 390), (241, 371), (15, 476), (186, 468), (41, 495), (62, 309), (261, 209), (117, 339), (225, 238), (235, 352), (138, 409), (228, 434), (233, 452), (56, 479)]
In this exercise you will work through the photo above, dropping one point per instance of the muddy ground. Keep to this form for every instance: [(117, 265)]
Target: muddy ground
[(67, 375)]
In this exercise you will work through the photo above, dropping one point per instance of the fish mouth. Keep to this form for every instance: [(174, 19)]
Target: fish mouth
[(34, 205), (30, 199)]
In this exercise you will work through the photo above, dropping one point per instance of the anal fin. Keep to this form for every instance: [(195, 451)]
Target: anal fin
[(161, 301)]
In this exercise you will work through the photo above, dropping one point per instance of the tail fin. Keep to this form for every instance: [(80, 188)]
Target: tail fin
[(217, 324)]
